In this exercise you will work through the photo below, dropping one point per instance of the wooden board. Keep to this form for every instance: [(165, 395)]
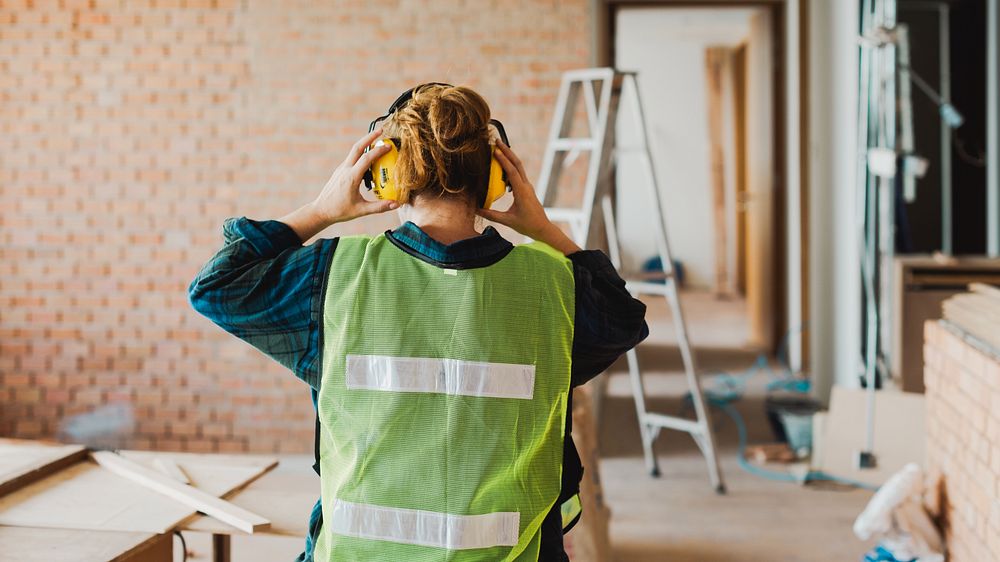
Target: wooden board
[(181, 492), (899, 433), (85, 496), (30, 544), (23, 462), (977, 313), (285, 496), (589, 541)]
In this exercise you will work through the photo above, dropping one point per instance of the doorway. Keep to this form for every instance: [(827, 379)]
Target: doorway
[(710, 87)]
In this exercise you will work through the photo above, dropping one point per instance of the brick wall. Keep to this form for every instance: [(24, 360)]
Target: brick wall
[(963, 440), (129, 130)]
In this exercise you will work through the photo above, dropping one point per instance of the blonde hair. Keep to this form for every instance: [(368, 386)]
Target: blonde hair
[(444, 140)]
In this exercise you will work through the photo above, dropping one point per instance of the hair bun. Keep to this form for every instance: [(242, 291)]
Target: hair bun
[(445, 142), (457, 125)]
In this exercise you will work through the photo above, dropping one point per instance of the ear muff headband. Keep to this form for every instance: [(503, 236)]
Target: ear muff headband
[(379, 178)]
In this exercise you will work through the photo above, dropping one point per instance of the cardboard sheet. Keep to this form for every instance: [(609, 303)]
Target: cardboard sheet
[(899, 433)]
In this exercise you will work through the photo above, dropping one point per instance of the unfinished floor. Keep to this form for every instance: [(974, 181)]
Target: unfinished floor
[(678, 517)]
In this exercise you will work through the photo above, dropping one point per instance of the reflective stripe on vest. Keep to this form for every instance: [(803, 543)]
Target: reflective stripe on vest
[(442, 403), (413, 526), (445, 376)]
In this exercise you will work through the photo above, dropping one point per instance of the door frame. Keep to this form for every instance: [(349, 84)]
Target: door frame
[(791, 205)]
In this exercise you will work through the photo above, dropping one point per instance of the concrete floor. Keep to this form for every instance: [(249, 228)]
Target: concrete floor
[(678, 517)]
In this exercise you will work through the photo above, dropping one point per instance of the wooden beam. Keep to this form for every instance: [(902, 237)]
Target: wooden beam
[(182, 493), (222, 548), (715, 62)]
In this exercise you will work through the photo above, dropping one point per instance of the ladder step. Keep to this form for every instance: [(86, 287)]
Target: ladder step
[(671, 422), (590, 74), (651, 287), (581, 143)]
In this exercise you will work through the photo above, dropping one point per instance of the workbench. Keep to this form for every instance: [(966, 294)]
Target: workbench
[(77, 511)]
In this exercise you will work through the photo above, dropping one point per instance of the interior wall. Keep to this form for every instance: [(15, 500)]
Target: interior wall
[(673, 89), (130, 130)]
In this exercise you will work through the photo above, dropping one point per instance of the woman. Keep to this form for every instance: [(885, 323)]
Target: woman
[(441, 358)]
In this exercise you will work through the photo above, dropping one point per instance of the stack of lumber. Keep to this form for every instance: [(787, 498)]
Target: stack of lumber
[(976, 312)]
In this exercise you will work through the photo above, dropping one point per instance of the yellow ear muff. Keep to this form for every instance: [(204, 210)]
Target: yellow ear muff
[(498, 182), (384, 183), (382, 170)]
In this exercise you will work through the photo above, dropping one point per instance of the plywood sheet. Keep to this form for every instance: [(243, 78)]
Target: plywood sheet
[(899, 433), (85, 496), (29, 544), (22, 462)]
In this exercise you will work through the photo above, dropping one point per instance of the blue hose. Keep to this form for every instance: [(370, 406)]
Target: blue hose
[(727, 408), (731, 387)]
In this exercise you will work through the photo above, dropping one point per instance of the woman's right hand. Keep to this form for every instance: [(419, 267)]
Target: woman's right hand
[(526, 214), (341, 199)]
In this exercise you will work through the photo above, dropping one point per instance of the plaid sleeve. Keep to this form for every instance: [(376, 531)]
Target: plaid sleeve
[(266, 288), (609, 320)]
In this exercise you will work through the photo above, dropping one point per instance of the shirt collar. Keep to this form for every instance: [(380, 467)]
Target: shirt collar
[(487, 244)]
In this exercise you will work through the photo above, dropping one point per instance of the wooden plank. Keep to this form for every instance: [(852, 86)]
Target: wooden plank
[(187, 495), (23, 462), (590, 540), (285, 496), (977, 315), (168, 467), (33, 544), (222, 548), (715, 61), (991, 291)]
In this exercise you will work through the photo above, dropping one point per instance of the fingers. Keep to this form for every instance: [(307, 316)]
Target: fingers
[(513, 158), (517, 182), (495, 216), (365, 161), (513, 175), (376, 207), (359, 147)]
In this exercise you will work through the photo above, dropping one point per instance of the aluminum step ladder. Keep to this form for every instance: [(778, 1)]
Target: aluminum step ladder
[(602, 89)]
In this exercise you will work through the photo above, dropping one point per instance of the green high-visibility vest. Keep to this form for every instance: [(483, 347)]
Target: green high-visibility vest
[(443, 403)]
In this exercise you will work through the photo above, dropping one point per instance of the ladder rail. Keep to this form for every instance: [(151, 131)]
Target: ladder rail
[(666, 257), (602, 116), (559, 123), (595, 165)]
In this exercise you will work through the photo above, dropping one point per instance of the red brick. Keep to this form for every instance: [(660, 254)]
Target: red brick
[(128, 140)]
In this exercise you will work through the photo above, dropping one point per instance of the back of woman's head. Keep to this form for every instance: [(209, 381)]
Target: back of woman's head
[(445, 145)]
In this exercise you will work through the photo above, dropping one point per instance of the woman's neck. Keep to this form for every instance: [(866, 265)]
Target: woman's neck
[(446, 220)]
